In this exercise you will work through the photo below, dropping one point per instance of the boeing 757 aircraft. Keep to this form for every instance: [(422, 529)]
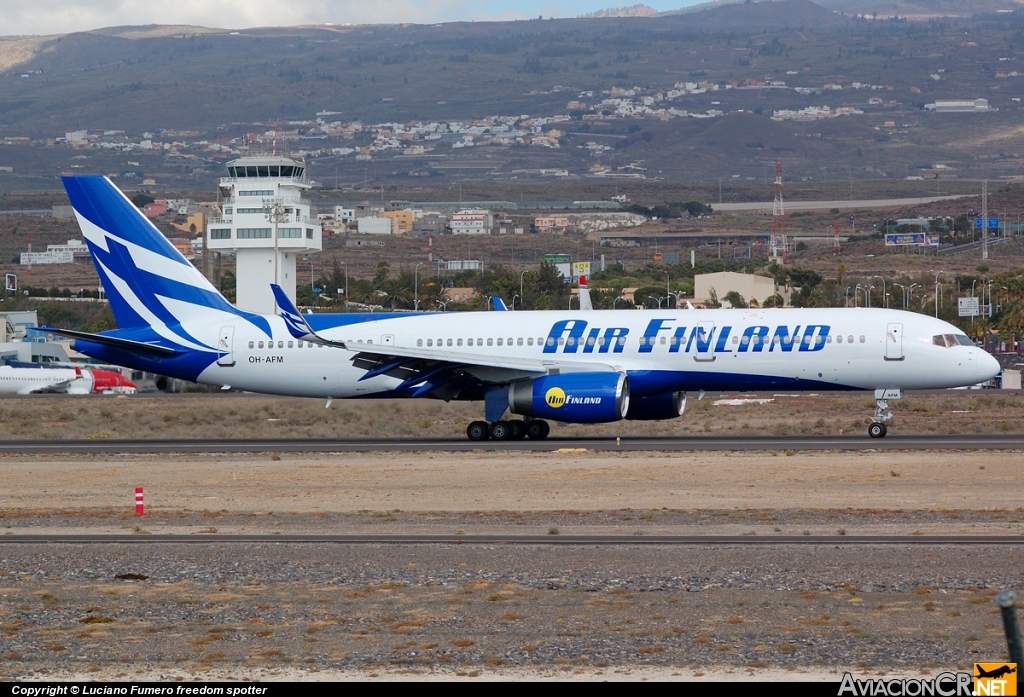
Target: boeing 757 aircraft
[(578, 367)]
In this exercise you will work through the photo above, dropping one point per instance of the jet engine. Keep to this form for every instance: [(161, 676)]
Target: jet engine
[(669, 405), (583, 398)]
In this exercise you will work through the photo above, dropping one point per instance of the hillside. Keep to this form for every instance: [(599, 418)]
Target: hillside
[(718, 93)]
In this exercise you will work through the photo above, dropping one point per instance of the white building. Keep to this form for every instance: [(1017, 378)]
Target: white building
[(344, 215), (267, 224), (474, 221), (958, 105), (374, 226)]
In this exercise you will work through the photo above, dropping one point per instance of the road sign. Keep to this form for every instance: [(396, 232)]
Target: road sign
[(968, 307), (11, 282), (979, 223)]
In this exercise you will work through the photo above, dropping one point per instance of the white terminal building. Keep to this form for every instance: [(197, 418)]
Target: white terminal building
[(267, 224)]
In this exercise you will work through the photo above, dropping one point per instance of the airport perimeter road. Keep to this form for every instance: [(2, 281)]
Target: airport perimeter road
[(855, 442), (766, 207), (503, 539)]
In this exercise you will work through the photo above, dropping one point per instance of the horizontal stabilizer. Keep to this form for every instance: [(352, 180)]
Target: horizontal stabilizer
[(113, 341)]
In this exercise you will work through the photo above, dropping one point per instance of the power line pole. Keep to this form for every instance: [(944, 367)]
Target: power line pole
[(984, 219)]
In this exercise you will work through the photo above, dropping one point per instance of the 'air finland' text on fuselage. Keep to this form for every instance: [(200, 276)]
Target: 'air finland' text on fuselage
[(573, 335)]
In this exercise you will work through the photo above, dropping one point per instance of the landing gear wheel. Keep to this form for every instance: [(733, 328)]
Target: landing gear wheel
[(500, 430), (877, 430), (537, 429), (518, 429), (478, 431)]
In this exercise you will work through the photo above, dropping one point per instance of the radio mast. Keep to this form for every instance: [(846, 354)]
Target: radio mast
[(777, 243)]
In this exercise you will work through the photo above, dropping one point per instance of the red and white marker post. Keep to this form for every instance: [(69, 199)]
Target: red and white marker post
[(139, 505)]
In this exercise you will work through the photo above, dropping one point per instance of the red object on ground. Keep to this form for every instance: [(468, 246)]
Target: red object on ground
[(109, 380), (138, 501)]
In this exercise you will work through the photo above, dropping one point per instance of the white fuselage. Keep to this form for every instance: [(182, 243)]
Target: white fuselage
[(659, 350), (29, 380)]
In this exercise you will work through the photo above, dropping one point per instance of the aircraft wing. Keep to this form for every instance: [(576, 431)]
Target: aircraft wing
[(381, 359)]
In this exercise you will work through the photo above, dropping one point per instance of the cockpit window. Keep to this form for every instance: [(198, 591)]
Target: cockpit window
[(950, 340)]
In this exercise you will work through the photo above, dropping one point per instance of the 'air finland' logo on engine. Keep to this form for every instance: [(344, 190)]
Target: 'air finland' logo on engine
[(555, 397)]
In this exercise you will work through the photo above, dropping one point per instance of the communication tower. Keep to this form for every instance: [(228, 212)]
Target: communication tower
[(778, 244), (267, 223)]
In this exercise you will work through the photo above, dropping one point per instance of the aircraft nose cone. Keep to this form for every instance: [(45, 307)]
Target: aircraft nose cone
[(987, 367)]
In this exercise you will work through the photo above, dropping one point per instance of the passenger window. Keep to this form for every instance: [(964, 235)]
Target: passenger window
[(776, 340), (261, 344), (600, 341), (561, 341), (252, 344), (501, 342), (280, 344), (746, 340), (479, 341), (622, 341), (828, 339), (849, 339), (819, 340), (529, 341), (299, 344), (419, 342), (674, 340), (469, 342), (519, 341), (839, 339), (430, 342), (509, 341), (571, 341), (290, 345), (862, 338), (736, 339), (490, 342), (662, 341), (551, 341), (540, 340), (449, 342)]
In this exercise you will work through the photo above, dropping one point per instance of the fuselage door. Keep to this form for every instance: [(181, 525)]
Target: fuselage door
[(894, 342), (225, 342), (702, 345)]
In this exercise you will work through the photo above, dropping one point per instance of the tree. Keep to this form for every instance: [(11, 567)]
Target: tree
[(735, 299)]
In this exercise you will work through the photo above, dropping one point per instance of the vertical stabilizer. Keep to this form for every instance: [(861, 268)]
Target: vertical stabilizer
[(585, 302)]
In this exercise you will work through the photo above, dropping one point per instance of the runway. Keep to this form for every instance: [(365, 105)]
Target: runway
[(853, 442), (518, 540)]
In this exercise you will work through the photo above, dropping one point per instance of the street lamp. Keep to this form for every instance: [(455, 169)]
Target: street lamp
[(883, 288), (521, 286), (847, 304), (443, 304), (867, 294), (856, 296), (514, 301), (416, 284), (903, 289), (937, 274), (616, 300)]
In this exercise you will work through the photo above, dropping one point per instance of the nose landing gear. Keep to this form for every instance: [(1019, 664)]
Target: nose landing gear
[(877, 429)]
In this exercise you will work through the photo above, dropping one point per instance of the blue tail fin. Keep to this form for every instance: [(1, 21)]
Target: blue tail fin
[(499, 304), (149, 283)]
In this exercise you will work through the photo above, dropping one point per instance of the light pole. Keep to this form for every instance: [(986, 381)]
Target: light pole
[(514, 301), (903, 289), (521, 287), (847, 303), (856, 296), (867, 294), (615, 301), (345, 263), (443, 304), (312, 279), (883, 288), (416, 284), (937, 274)]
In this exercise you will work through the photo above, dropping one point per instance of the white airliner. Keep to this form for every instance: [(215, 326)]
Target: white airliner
[(578, 367), (15, 380)]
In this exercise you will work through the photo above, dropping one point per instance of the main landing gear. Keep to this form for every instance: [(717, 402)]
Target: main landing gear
[(877, 429), (534, 429)]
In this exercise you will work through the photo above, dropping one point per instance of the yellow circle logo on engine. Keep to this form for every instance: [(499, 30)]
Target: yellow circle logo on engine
[(555, 397)]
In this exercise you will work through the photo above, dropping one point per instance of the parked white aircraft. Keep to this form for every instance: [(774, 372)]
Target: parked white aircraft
[(580, 367), (44, 379)]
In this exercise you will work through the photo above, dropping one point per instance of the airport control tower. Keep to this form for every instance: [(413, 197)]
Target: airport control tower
[(267, 224)]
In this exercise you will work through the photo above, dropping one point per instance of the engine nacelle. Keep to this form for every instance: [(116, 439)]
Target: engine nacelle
[(582, 398), (670, 405)]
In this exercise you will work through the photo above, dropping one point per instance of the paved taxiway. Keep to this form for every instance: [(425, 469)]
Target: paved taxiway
[(852, 442)]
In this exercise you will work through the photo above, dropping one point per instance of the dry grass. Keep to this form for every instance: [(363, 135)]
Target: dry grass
[(197, 415)]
